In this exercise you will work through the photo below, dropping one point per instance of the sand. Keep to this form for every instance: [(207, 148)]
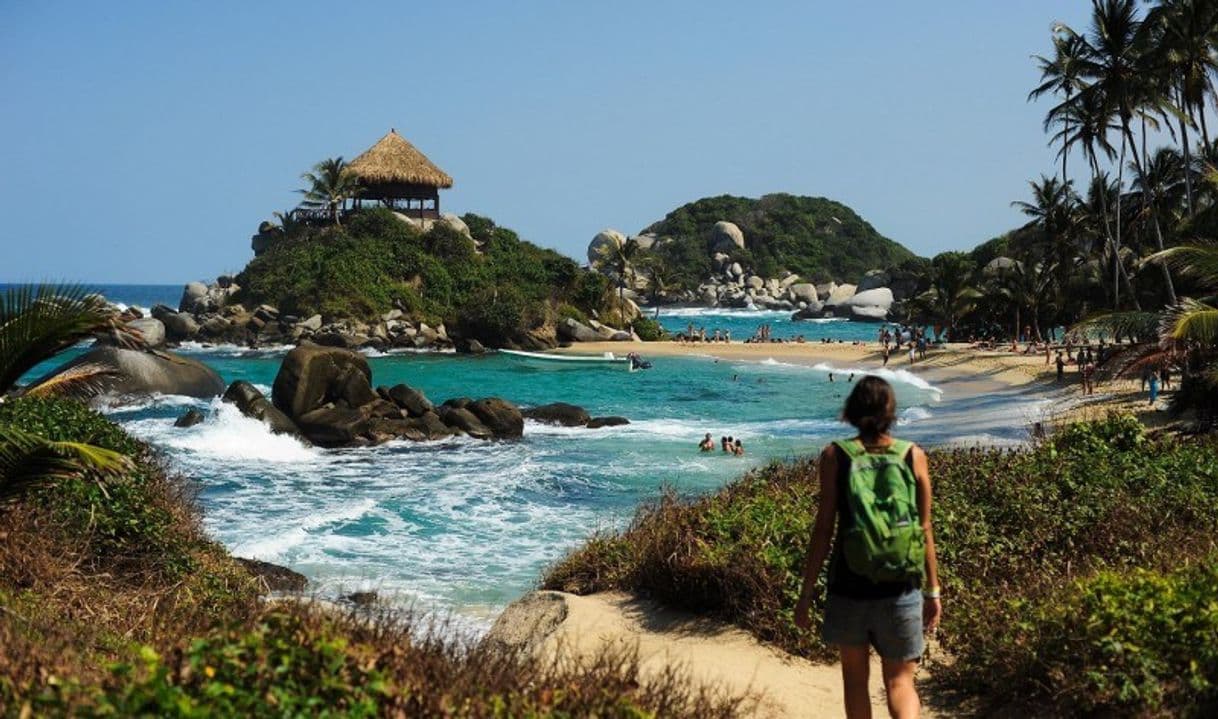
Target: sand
[(719, 655)]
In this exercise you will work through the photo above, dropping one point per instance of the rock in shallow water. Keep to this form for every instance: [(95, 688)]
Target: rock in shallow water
[(190, 419), (136, 373), (611, 421), (277, 578), (559, 413)]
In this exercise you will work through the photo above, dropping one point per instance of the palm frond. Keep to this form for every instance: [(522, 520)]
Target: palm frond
[(84, 380), (1197, 260), (1143, 325), (1190, 321), (28, 459), (37, 322)]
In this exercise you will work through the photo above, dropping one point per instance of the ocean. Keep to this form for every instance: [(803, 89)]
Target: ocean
[(464, 526)]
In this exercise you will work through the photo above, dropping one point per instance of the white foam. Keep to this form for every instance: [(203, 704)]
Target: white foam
[(903, 376), (273, 547), (226, 435), (914, 414), (232, 350)]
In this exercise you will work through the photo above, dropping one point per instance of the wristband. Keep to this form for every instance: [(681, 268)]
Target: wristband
[(931, 593)]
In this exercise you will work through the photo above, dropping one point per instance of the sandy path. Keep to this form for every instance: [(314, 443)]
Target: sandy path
[(711, 652)]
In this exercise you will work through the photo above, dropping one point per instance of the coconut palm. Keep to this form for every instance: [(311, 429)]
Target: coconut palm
[(1061, 75), (620, 258), (1186, 37), (951, 296), (36, 323), (660, 276), (330, 185), (1027, 285)]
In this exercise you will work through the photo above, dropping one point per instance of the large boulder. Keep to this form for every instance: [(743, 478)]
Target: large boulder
[(603, 245), (464, 421), (502, 417), (312, 376), (559, 413), (646, 241), (431, 426), (810, 311), (804, 292), (755, 282), (193, 294), (277, 578), (874, 279), (576, 331), (139, 373), (333, 426), (839, 295), (726, 237), (408, 398), (871, 305), (252, 403), (151, 330), (179, 326), (610, 421)]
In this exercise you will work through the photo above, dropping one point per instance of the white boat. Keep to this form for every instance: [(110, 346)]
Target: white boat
[(606, 357)]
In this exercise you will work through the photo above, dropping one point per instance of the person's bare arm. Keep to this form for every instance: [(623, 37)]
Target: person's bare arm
[(932, 608), (822, 534)]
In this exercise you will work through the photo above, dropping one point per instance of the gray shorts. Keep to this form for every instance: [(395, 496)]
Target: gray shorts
[(893, 626)]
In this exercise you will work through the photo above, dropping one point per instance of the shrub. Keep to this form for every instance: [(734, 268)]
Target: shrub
[(1013, 528), (648, 329), (297, 660)]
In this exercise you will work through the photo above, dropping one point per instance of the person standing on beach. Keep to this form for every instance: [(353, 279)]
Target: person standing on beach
[(1061, 368), (1154, 388), (874, 600)]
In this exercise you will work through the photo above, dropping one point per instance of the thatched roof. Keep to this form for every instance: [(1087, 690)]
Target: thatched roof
[(394, 160)]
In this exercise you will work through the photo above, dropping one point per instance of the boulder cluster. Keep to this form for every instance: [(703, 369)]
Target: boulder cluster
[(733, 285), (324, 395), (208, 313)]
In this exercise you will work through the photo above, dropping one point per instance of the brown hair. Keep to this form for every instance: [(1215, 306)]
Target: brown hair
[(871, 406)]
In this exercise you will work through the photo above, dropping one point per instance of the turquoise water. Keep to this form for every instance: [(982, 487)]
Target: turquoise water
[(468, 526), (743, 324)]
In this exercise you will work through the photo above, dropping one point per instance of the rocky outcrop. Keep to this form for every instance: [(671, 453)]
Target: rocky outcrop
[(500, 416), (189, 419), (611, 421), (253, 404), (874, 279), (573, 330), (726, 237), (276, 578), (312, 376), (408, 398), (559, 413), (136, 373), (603, 245)]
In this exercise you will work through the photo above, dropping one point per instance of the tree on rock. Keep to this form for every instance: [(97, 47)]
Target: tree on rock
[(330, 185)]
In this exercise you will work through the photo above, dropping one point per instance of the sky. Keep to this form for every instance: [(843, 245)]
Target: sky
[(145, 141)]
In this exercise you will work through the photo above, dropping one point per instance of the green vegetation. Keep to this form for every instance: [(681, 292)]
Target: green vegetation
[(815, 238), (496, 288), (1094, 520)]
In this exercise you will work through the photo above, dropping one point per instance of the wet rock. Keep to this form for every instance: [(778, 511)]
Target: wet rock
[(190, 419), (502, 417), (312, 376), (334, 426), (410, 399), (140, 373), (559, 413), (611, 421), (252, 403), (361, 599), (465, 421)]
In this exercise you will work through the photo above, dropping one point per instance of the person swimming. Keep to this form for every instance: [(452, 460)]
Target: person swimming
[(707, 444), (728, 445), (738, 449)]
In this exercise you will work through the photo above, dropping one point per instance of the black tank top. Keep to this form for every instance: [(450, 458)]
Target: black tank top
[(842, 581)]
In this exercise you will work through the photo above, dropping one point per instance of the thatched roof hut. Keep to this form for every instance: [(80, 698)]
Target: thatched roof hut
[(394, 170)]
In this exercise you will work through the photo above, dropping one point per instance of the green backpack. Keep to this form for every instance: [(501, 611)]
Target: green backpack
[(886, 542)]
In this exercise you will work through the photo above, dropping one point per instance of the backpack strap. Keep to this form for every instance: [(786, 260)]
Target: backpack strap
[(900, 447), (851, 448)]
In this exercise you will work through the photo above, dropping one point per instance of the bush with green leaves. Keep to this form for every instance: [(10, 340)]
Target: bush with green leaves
[(130, 519), (648, 329), (1015, 530), (376, 262)]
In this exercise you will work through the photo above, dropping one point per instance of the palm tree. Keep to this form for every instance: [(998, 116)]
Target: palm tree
[(951, 296), (660, 276), (1026, 285), (620, 257), (1061, 75), (330, 185), (37, 323)]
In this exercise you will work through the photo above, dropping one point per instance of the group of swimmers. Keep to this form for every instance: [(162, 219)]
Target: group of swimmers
[(729, 445)]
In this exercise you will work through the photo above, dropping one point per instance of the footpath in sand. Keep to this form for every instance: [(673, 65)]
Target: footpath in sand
[(778, 685)]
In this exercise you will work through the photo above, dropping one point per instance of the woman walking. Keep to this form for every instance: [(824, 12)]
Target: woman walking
[(883, 586)]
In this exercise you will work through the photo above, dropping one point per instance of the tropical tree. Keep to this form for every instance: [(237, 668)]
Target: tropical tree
[(1061, 75), (660, 276), (951, 296), (330, 185), (620, 258), (36, 323), (1027, 286)]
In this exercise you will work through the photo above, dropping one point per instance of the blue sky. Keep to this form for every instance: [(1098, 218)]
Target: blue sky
[(145, 141)]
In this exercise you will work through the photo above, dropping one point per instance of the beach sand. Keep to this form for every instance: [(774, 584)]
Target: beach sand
[(715, 654)]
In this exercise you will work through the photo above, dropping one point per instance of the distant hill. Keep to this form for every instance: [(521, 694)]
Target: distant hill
[(817, 238)]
